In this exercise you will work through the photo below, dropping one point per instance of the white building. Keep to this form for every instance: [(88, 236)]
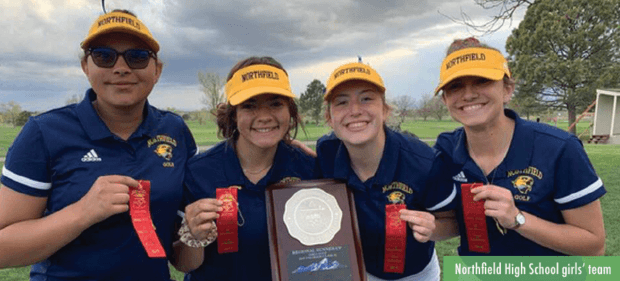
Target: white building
[(607, 116)]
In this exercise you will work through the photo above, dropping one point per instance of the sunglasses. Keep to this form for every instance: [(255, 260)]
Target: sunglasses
[(107, 57)]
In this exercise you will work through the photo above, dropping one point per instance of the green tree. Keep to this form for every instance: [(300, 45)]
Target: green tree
[(11, 111), (311, 101), (525, 104), (201, 115), (564, 49), (22, 118)]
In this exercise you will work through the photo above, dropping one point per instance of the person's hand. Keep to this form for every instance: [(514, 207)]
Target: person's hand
[(499, 204), (200, 216), (109, 195), (303, 148), (422, 223)]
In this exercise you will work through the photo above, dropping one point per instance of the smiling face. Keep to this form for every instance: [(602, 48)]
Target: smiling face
[(262, 121), (120, 86), (475, 101), (357, 113)]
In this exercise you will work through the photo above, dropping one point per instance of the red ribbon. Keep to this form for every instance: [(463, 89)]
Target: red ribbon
[(228, 234), (139, 200), (475, 220), (395, 239)]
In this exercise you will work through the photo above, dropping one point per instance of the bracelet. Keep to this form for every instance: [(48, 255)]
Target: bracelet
[(188, 239)]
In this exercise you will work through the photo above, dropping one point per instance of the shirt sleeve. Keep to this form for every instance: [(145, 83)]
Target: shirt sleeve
[(440, 190), (576, 181), (190, 187), (191, 191), (324, 162), (318, 173), (27, 169), (192, 149)]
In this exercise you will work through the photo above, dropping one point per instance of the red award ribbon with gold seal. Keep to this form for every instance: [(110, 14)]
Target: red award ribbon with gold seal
[(139, 210), (228, 236), (475, 220), (395, 239)]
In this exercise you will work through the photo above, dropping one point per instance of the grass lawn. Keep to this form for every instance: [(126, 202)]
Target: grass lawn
[(23, 273), (605, 158), (7, 135), (206, 133)]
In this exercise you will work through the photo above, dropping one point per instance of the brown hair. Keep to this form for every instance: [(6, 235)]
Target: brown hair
[(471, 42), (226, 113)]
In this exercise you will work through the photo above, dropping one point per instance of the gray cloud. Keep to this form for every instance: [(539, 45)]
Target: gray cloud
[(241, 28), (39, 55)]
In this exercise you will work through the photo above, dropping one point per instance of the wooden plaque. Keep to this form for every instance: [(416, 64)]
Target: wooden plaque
[(313, 232)]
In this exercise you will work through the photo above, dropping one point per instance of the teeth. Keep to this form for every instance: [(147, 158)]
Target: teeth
[(357, 124), (264, 130), (472, 107)]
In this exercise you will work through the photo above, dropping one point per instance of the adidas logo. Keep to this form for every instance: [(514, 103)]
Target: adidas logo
[(460, 177), (91, 156)]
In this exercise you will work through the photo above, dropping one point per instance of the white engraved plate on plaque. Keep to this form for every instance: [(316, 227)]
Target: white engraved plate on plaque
[(312, 216)]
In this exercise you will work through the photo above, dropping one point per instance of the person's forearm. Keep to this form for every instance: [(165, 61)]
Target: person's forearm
[(28, 242), (564, 238), (186, 258)]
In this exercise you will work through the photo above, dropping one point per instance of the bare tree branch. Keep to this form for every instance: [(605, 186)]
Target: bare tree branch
[(507, 8), (212, 87)]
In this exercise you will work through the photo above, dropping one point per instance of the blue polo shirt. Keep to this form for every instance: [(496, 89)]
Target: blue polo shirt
[(546, 169), (220, 167), (407, 170), (59, 155)]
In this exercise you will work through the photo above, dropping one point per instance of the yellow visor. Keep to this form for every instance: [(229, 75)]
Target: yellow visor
[(123, 23), (256, 80), (482, 62), (353, 71)]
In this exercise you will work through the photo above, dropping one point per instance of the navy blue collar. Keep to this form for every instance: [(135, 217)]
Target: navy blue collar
[(389, 161), (519, 153), (522, 145), (387, 166), (234, 172), (95, 127), (232, 168)]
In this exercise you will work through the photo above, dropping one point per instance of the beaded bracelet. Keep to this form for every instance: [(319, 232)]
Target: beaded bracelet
[(188, 239)]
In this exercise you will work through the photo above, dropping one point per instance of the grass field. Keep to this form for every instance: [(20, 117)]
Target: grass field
[(206, 134), (605, 158), (7, 135)]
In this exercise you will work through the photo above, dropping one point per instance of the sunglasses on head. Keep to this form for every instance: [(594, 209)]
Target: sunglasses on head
[(135, 58)]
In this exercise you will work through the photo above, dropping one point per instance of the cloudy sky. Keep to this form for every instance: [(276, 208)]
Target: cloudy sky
[(404, 40)]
